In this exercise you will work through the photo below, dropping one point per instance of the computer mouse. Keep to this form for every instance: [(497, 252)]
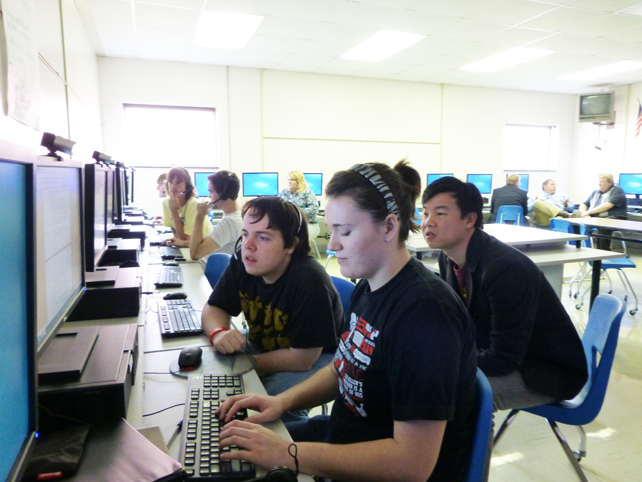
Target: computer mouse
[(190, 357), (170, 263), (175, 295)]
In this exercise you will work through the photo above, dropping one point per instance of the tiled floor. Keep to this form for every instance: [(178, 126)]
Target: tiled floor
[(529, 451)]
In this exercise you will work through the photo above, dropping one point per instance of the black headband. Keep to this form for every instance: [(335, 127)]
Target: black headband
[(377, 181)]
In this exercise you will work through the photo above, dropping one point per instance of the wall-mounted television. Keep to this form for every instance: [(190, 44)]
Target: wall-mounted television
[(631, 183), (433, 177), (523, 181), (597, 107), (260, 184), (484, 182), (201, 183), (314, 181)]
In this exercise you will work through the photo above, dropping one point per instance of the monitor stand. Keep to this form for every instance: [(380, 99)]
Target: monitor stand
[(65, 357)]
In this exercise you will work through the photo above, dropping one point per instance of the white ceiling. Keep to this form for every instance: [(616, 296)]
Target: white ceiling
[(311, 35)]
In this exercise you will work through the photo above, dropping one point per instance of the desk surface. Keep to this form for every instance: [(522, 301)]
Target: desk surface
[(509, 234), (607, 223)]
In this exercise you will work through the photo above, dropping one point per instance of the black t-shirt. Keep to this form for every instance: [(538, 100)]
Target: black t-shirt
[(409, 355), (302, 309)]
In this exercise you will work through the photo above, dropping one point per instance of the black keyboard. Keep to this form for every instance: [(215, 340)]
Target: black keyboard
[(170, 252), (199, 450), (169, 277), (177, 317)]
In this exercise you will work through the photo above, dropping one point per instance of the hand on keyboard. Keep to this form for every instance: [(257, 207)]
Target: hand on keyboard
[(269, 408)]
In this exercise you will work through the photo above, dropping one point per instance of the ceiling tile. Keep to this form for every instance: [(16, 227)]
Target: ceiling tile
[(166, 16), (283, 27), (605, 6), (512, 12), (562, 19), (110, 9), (610, 25), (196, 4), (115, 28)]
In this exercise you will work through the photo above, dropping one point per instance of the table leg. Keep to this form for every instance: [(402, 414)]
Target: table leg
[(595, 281)]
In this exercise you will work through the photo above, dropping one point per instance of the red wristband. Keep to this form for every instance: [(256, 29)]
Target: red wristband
[(216, 330)]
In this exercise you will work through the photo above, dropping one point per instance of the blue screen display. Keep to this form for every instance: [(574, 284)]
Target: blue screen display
[(201, 183), (484, 182), (315, 182), (433, 177), (631, 183), (15, 404), (260, 184)]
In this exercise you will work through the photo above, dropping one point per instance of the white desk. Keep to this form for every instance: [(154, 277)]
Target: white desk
[(548, 249)]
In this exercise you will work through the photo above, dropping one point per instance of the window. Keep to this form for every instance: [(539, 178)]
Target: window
[(530, 147), (163, 136)]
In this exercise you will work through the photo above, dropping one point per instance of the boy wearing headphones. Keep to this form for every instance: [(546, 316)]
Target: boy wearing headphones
[(224, 190), (292, 308)]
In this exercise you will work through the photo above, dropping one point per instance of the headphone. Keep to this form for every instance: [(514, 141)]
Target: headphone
[(277, 474)]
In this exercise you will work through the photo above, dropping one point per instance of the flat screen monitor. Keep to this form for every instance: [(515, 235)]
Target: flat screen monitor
[(60, 263), (523, 181), (18, 403), (433, 177), (314, 180), (95, 218), (260, 184), (484, 182), (120, 191), (201, 183), (111, 207), (631, 183)]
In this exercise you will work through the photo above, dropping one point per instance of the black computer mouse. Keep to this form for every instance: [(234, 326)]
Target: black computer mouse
[(170, 263), (175, 295), (190, 357)]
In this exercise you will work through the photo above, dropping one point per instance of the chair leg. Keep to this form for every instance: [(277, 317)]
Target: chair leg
[(327, 261), (567, 450), (316, 249), (625, 277), (507, 421)]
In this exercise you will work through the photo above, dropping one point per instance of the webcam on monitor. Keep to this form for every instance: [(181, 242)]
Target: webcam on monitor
[(56, 143)]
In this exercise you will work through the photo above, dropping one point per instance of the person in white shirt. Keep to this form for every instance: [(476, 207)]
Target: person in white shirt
[(550, 204), (223, 187)]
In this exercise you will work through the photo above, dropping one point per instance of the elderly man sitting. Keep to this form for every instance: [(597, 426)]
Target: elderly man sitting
[(550, 204)]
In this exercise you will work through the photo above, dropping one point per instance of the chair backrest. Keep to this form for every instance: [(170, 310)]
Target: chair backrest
[(561, 226), (344, 287), (514, 214), (216, 264), (417, 219), (481, 437), (584, 230), (600, 337)]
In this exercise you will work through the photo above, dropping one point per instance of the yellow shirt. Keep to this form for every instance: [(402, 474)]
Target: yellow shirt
[(188, 215)]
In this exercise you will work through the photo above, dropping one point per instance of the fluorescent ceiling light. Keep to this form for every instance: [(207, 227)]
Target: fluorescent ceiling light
[(381, 45), (596, 73), (224, 30), (506, 59)]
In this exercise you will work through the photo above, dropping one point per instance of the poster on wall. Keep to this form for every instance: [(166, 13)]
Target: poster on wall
[(21, 61)]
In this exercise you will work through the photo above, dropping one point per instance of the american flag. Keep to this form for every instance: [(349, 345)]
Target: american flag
[(638, 125)]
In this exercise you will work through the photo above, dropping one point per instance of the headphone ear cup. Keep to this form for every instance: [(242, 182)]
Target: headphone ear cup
[(280, 474)]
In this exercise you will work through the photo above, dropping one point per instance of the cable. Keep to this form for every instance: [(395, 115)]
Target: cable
[(162, 410)]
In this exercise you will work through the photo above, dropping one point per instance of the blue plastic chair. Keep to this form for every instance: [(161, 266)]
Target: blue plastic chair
[(330, 254), (417, 218), (510, 215), (344, 287), (478, 456), (216, 264), (599, 341), (618, 264)]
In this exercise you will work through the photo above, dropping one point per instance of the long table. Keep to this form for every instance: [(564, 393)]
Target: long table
[(549, 250)]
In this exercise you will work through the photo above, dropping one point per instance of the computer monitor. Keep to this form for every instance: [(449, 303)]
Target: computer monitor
[(129, 186), (95, 214), (433, 177), (60, 266), (201, 183), (260, 184), (111, 206), (631, 183), (18, 402), (484, 182), (314, 180), (120, 191), (523, 181)]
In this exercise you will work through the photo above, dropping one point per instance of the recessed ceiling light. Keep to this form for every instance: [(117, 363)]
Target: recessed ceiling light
[(223, 30), (596, 73), (506, 59), (381, 45)]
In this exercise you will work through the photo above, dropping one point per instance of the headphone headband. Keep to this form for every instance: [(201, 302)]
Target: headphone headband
[(377, 181)]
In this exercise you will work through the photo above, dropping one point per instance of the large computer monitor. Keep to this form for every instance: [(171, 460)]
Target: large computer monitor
[(523, 181), (60, 263), (433, 177), (314, 180), (631, 183), (120, 193), (95, 214), (111, 198), (201, 183), (484, 182), (260, 184), (18, 402), (128, 177)]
